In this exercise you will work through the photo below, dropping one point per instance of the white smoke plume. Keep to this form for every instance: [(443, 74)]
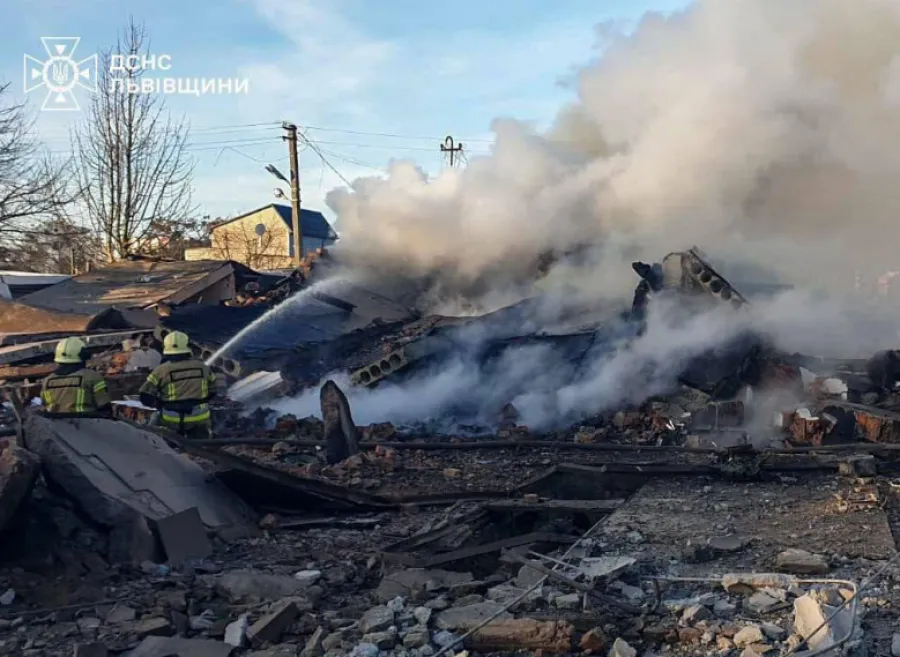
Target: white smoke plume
[(550, 393), (762, 129)]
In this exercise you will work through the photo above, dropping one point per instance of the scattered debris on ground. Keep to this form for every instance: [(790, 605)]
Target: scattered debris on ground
[(691, 524)]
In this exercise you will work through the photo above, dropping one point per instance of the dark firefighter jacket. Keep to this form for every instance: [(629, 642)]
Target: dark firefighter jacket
[(75, 390), (181, 390)]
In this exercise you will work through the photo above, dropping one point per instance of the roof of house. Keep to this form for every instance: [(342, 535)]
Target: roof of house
[(136, 283), (17, 318), (312, 223), (307, 318)]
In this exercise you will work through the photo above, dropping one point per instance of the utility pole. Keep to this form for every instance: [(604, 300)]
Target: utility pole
[(291, 138), (448, 148)]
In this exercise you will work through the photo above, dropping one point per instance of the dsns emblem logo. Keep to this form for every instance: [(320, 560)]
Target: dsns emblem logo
[(60, 73)]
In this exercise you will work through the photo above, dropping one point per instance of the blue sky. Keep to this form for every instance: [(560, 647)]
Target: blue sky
[(408, 68)]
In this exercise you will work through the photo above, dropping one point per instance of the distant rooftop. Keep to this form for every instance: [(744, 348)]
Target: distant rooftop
[(312, 223), (136, 283)]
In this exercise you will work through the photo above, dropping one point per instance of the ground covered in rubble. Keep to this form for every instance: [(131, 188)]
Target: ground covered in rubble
[(651, 576)]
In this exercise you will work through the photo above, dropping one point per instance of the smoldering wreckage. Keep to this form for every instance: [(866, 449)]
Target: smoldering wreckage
[(693, 520)]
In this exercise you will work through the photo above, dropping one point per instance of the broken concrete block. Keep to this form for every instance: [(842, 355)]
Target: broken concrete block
[(730, 543), (19, 469), (365, 650), (895, 645), (809, 615), (422, 615), (634, 594), (384, 640), (417, 637), (594, 641), (308, 577), (407, 583), (124, 478), (239, 585), (570, 601), (465, 618), (153, 627), (121, 613), (376, 619), (270, 627), (858, 465), (620, 648), (90, 650), (333, 641), (281, 650), (236, 632), (183, 537), (744, 583), (313, 647), (801, 562), (774, 632), (723, 608), (695, 613), (528, 577), (155, 646), (341, 434), (690, 635), (600, 568), (748, 635), (523, 634), (760, 602)]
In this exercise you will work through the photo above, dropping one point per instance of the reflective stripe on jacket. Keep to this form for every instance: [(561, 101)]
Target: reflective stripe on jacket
[(181, 387), (83, 391), (199, 413)]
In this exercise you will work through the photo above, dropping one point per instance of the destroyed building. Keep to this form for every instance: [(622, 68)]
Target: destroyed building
[(687, 522)]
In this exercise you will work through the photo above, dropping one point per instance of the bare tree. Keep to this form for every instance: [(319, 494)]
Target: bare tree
[(32, 186), (53, 246), (131, 158)]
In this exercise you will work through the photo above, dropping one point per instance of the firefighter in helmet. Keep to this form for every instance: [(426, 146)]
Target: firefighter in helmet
[(73, 390), (180, 388)]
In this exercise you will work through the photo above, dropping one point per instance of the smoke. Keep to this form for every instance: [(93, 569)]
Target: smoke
[(551, 390), (763, 130)]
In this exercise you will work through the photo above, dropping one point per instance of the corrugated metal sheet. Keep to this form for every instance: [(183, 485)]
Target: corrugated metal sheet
[(291, 326), (124, 284), (305, 319)]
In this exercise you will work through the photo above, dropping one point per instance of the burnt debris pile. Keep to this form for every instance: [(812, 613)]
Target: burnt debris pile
[(544, 479)]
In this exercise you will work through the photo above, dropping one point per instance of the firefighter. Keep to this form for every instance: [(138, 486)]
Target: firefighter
[(180, 388), (73, 390)]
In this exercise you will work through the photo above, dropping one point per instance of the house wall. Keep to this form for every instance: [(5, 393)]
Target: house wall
[(238, 241)]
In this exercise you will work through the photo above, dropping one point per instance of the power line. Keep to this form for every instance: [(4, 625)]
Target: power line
[(386, 134), (388, 147), (324, 159), (237, 126)]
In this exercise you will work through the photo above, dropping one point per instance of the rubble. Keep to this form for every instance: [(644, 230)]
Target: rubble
[(801, 562), (18, 471), (609, 537), (247, 585), (523, 634), (102, 464)]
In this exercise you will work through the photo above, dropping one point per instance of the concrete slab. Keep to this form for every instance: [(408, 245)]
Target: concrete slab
[(125, 478), (666, 515), (157, 646), (183, 537)]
